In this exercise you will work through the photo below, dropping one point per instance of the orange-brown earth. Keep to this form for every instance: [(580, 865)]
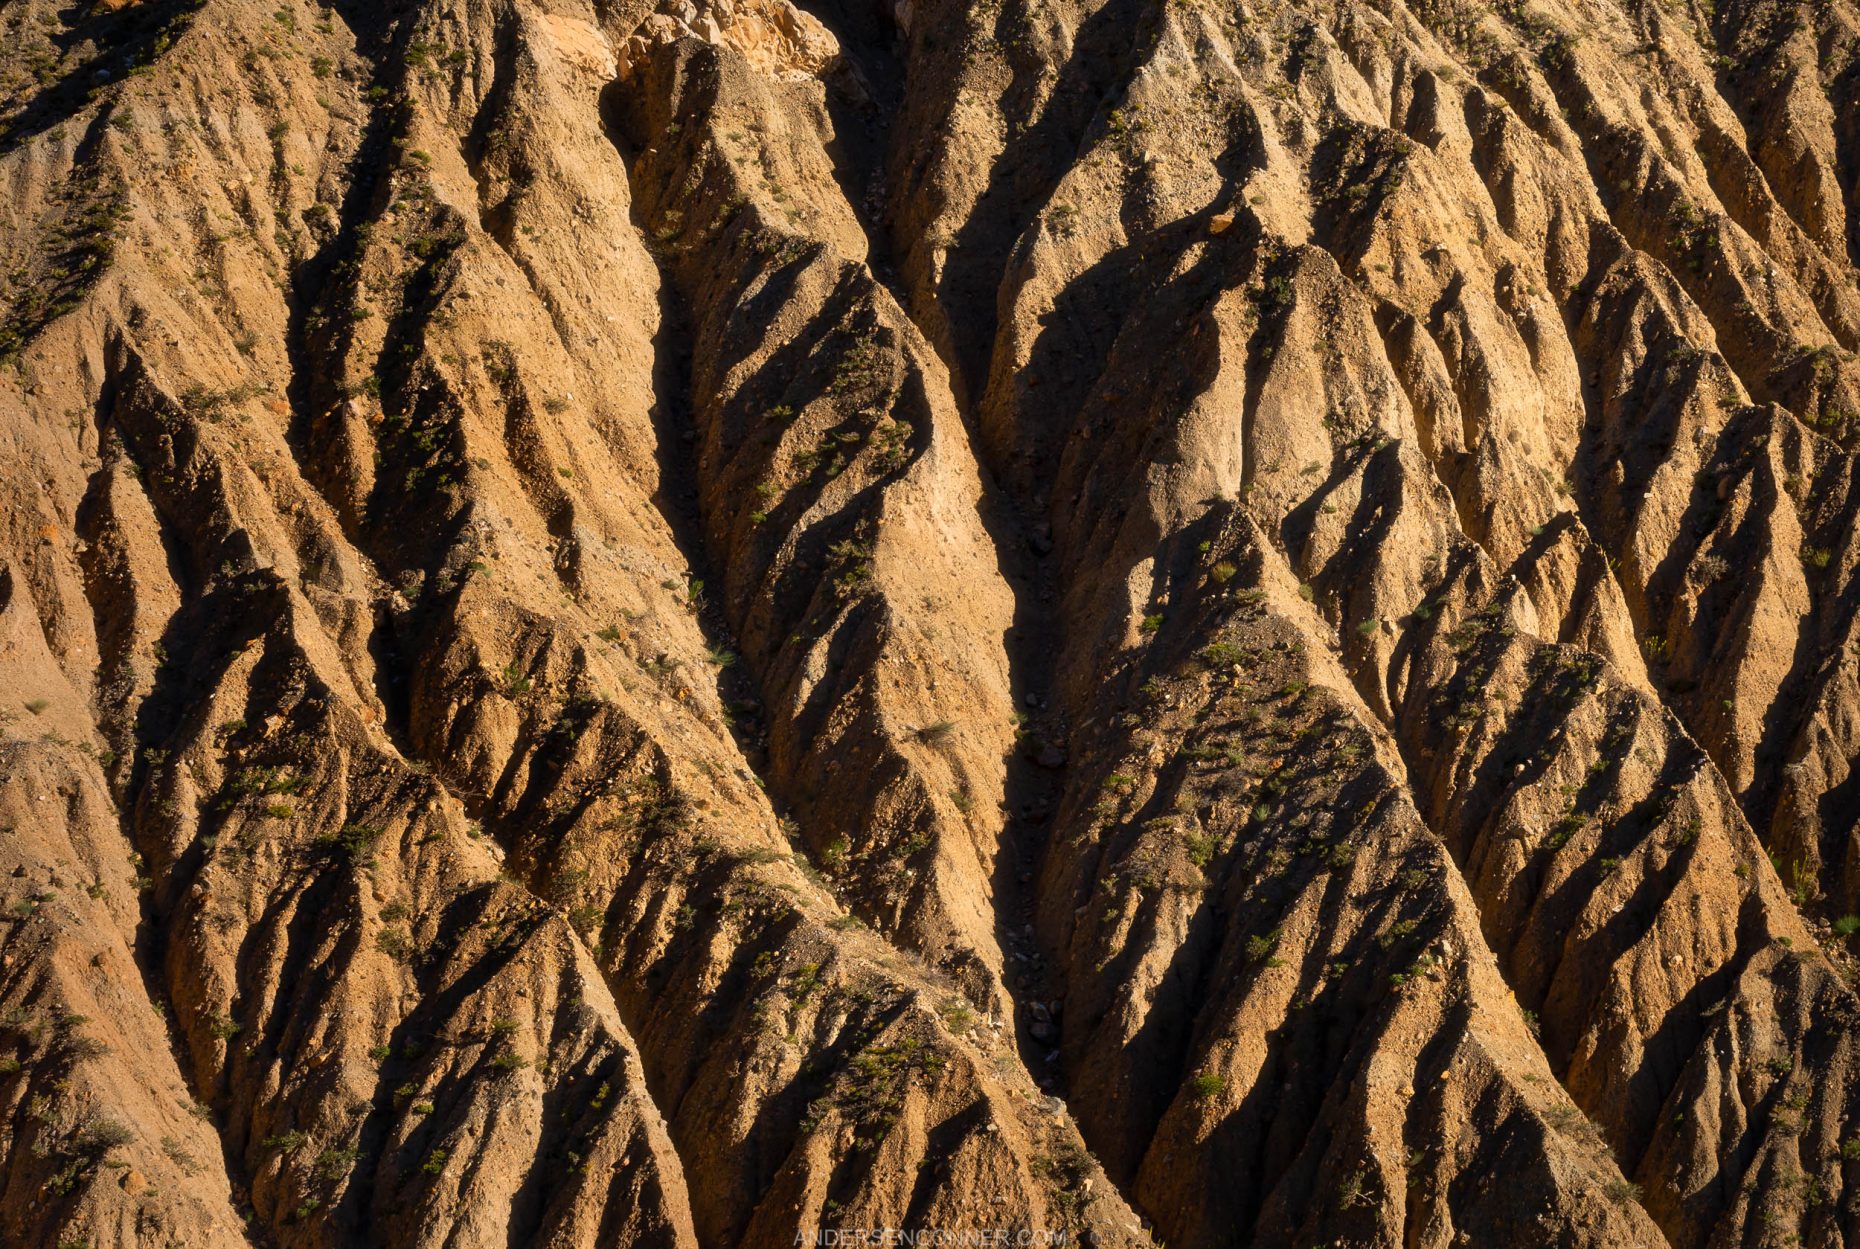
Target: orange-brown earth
[(1164, 623)]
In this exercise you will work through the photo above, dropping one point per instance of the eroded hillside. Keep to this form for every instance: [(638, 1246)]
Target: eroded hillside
[(1170, 623)]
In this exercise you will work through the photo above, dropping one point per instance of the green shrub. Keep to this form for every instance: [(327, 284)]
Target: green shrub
[(355, 841), (514, 680), (332, 1164), (1623, 1192)]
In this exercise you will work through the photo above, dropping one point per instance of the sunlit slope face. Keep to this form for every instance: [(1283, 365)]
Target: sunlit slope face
[(1142, 624)]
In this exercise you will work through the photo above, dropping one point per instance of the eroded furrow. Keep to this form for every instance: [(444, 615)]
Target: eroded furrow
[(682, 627)]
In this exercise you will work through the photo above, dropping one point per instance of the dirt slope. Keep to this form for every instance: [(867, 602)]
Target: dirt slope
[(1166, 623)]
